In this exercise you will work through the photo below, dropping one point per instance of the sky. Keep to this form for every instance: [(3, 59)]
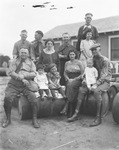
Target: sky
[(16, 15)]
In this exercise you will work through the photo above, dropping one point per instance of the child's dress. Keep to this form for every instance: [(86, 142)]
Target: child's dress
[(41, 80)]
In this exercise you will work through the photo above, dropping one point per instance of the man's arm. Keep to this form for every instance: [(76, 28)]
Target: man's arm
[(15, 51)]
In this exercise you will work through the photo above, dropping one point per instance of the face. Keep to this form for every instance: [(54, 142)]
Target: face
[(90, 63), (49, 45), (23, 55), (38, 36), (53, 69), (65, 38), (89, 35), (88, 19), (40, 71), (23, 35), (72, 55), (96, 52)]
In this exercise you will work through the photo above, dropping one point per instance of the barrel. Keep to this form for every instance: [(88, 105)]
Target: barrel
[(89, 106), (46, 107), (115, 109)]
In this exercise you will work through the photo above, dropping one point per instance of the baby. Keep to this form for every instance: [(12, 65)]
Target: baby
[(42, 81), (54, 80), (90, 75)]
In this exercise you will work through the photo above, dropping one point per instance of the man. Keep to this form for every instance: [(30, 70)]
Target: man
[(102, 64), (63, 54), (84, 28), (23, 43), (37, 45), (22, 70)]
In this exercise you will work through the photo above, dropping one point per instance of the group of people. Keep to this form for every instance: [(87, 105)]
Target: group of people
[(38, 67)]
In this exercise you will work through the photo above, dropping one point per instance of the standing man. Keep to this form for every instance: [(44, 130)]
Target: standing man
[(102, 64), (23, 43), (22, 70), (37, 45), (63, 54), (84, 28)]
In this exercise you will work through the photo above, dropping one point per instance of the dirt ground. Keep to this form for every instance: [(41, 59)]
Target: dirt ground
[(56, 134)]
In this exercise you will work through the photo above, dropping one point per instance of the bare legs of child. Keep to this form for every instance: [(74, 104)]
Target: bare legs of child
[(46, 91)]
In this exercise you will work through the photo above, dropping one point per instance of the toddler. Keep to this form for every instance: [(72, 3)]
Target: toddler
[(54, 80), (42, 81), (90, 75)]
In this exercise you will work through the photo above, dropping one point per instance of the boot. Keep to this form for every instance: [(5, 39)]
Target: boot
[(34, 113), (96, 122), (74, 117), (7, 108), (98, 119)]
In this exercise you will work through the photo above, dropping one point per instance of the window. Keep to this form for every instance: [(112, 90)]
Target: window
[(57, 45), (114, 48), (73, 42)]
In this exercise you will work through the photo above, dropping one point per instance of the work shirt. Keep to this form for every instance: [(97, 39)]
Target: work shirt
[(102, 64), (21, 44)]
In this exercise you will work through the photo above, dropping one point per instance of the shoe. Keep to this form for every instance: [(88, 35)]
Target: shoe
[(6, 123), (73, 118), (35, 123), (96, 122)]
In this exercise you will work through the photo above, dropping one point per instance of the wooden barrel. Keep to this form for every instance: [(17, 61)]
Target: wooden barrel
[(115, 109), (47, 107), (90, 106)]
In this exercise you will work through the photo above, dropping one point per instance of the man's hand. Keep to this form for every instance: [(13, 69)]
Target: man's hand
[(20, 77), (25, 82)]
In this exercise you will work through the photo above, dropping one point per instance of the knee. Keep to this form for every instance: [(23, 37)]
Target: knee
[(32, 97)]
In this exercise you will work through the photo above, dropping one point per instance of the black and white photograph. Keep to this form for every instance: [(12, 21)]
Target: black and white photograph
[(59, 75)]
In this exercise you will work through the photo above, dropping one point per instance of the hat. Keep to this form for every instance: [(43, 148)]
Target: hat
[(40, 67), (88, 14), (50, 67), (40, 32), (24, 50), (94, 46)]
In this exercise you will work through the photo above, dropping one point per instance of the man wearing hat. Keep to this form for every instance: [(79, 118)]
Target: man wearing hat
[(102, 64), (22, 70), (37, 45), (23, 43), (82, 29)]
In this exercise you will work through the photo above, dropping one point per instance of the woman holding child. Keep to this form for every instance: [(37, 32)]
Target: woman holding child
[(73, 75)]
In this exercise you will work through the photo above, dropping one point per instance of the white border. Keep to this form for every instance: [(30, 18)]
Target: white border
[(109, 44)]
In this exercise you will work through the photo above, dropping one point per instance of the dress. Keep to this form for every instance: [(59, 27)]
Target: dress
[(46, 59), (41, 80), (91, 75), (73, 70), (85, 50), (64, 50)]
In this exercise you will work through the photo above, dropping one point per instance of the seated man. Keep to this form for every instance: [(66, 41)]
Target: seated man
[(22, 70), (102, 64)]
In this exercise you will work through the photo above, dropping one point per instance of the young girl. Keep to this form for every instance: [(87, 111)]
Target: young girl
[(42, 81), (85, 47), (91, 75), (54, 80)]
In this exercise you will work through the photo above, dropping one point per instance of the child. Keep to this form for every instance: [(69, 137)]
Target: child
[(91, 75), (85, 47), (54, 79), (42, 81)]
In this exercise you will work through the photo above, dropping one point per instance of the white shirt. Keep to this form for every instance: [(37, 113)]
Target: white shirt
[(91, 75)]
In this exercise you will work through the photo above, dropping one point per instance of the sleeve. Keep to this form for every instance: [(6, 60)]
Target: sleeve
[(105, 72), (15, 51), (96, 72), (65, 73), (40, 61), (32, 51), (82, 46), (79, 37)]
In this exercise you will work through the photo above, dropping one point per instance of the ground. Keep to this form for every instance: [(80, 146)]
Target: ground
[(56, 134)]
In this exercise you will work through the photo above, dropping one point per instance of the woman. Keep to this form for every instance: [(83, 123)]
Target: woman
[(85, 47), (49, 55), (73, 75)]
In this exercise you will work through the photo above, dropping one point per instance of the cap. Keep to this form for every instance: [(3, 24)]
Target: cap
[(88, 14), (40, 32), (50, 67), (94, 46), (24, 50)]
